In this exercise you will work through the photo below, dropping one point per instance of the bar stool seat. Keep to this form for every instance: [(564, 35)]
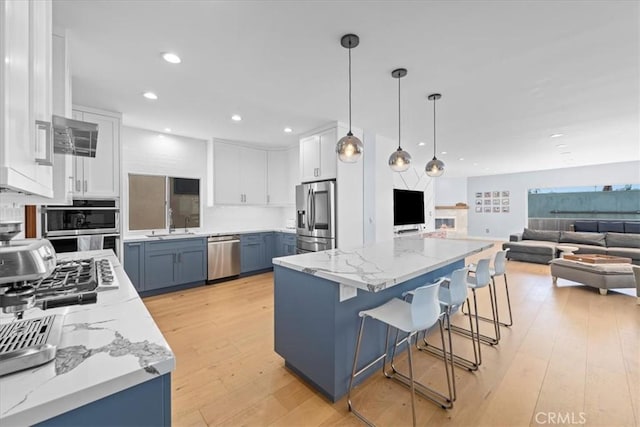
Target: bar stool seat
[(421, 313)]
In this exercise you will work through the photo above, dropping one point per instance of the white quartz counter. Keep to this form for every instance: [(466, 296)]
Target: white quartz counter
[(105, 348), (131, 237), (385, 264)]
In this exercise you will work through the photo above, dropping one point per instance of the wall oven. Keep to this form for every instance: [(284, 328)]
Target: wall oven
[(66, 226)]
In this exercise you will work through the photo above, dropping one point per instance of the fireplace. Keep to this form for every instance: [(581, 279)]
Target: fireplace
[(448, 223)]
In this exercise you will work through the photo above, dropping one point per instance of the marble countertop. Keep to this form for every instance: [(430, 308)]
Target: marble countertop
[(201, 233), (105, 348), (382, 265)]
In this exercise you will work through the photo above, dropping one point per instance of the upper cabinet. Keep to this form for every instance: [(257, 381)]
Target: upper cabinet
[(25, 106), (282, 166), (318, 156), (240, 175), (99, 176)]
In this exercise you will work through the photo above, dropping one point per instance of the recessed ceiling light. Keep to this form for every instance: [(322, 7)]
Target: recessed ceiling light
[(236, 118), (561, 145), (150, 95), (167, 129), (421, 144), (556, 135), (171, 57), (475, 164), (288, 130), (566, 153), (443, 152), (461, 158)]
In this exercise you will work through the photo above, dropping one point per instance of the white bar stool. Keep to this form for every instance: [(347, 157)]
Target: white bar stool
[(499, 269), (481, 279), (422, 313), (452, 294)]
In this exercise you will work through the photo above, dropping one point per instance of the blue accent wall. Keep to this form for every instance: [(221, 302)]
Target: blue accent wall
[(541, 205)]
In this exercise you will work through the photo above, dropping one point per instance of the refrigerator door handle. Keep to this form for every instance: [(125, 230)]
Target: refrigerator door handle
[(313, 210), (309, 209)]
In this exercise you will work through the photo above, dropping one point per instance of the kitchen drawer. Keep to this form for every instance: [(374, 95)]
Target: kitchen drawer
[(289, 238), (251, 238)]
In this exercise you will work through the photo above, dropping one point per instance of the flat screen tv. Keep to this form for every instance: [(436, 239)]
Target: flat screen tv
[(408, 207)]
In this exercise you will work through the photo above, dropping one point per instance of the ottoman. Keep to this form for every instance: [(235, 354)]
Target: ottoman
[(601, 276)]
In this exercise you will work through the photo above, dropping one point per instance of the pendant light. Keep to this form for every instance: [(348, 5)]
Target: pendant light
[(349, 148), (434, 167), (400, 160)]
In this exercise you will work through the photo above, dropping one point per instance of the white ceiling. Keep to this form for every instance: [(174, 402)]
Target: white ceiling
[(511, 73)]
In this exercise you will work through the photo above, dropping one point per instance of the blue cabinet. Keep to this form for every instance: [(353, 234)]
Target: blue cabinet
[(162, 264), (285, 244), (134, 264), (252, 252)]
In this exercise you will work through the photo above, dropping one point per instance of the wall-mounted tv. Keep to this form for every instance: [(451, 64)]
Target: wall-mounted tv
[(408, 207)]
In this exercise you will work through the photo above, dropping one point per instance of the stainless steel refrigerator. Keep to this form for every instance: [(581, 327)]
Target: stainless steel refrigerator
[(316, 216)]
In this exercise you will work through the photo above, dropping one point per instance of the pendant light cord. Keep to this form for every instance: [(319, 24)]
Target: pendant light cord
[(434, 128), (349, 86), (399, 148)]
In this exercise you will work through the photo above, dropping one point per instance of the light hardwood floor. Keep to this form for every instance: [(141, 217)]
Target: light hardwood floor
[(572, 357)]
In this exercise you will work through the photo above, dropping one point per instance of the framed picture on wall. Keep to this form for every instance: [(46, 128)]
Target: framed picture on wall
[(487, 201), (505, 209), (505, 194), (479, 209), (496, 194), (496, 208), (487, 209), (478, 202), (487, 194), (478, 194), (505, 201), (496, 201)]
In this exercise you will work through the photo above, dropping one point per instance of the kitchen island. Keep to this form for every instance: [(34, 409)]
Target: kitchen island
[(112, 365), (317, 297)]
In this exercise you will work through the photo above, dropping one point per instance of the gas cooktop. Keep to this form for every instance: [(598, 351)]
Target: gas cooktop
[(76, 276)]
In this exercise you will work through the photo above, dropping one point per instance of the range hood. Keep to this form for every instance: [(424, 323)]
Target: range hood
[(74, 137)]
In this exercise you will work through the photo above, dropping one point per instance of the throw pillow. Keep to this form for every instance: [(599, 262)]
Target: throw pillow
[(613, 226), (620, 240), (586, 226), (596, 239), (545, 235)]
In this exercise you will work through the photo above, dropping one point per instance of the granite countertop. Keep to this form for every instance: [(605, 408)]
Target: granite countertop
[(201, 233), (382, 265), (105, 348)]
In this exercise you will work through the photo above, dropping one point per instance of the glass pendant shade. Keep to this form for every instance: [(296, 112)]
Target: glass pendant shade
[(434, 167), (349, 148), (399, 160)]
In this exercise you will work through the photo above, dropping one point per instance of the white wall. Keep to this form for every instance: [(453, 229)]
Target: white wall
[(500, 225), (449, 191), (151, 153), (350, 198)]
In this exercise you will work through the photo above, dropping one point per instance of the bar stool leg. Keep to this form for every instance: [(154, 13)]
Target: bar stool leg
[(506, 289), (413, 384), (483, 338)]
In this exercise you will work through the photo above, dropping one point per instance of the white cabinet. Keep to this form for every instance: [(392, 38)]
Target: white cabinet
[(318, 156), (25, 97), (240, 175), (99, 176), (282, 167)]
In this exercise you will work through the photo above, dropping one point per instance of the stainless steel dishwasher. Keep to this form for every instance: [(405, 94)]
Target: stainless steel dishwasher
[(223, 256)]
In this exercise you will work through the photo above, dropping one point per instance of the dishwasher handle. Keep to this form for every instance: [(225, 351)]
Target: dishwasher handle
[(223, 239)]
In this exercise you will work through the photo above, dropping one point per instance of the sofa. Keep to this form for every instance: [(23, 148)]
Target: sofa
[(615, 238)]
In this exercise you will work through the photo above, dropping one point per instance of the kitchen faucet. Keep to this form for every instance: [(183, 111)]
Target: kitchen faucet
[(172, 227)]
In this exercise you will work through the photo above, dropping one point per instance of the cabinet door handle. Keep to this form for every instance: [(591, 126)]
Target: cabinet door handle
[(77, 185), (47, 160), (85, 186)]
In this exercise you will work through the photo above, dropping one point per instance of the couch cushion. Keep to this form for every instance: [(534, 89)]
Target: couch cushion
[(589, 249), (631, 227), (632, 253), (613, 226), (545, 235), (531, 247), (591, 226), (621, 240), (596, 239)]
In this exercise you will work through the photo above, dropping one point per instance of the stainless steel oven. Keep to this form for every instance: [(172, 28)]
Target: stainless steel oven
[(87, 222), (101, 216)]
